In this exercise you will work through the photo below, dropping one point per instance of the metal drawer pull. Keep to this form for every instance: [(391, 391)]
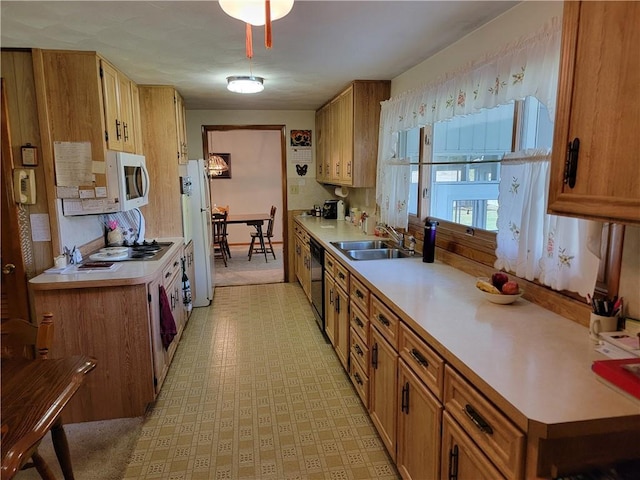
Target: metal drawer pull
[(358, 350), (358, 322), (404, 403), (341, 275), (480, 422), (374, 356), (358, 379), (359, 294), (383, 320), (417, 356)]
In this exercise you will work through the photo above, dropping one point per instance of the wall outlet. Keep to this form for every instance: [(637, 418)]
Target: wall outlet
[(293, 189)]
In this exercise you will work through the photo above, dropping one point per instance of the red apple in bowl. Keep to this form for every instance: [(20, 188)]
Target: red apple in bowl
[(511, 288), (498, 279)]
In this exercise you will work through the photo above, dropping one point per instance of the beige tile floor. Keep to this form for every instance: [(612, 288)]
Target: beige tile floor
[(254, 392)]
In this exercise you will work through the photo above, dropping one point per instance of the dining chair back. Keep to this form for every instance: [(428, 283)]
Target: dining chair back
[(220, 246), (22, 339), (258, 248)]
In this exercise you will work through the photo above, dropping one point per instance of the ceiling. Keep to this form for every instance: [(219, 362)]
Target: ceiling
[(317, 49)]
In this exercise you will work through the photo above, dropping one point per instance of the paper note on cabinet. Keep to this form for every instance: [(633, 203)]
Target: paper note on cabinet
[(73, 163)]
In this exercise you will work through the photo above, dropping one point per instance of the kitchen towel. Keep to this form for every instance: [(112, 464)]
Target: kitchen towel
[(167, 323)]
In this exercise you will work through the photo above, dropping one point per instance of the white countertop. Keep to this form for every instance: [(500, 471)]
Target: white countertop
[(534, 364), (126, 273)]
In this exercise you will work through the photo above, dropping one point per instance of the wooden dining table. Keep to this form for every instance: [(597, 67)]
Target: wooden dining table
[(255, 220), (34, 394)]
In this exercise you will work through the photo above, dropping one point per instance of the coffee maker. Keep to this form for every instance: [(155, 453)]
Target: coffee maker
[(333, 209)]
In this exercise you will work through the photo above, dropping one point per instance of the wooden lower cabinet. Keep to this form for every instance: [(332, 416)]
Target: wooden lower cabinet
[(461, 458), (419, 426), (110, 324), (383, 382)]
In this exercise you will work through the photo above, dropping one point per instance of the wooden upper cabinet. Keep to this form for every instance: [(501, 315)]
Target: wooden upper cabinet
[(163, 213), (347, 128), (119, 109), (182, 130), (598, 105)]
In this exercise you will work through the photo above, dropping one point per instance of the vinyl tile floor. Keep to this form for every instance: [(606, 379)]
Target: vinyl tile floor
[(255, 392)]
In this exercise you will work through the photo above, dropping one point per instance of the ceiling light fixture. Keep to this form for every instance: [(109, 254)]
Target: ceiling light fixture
[(245, 84), (256, 12)]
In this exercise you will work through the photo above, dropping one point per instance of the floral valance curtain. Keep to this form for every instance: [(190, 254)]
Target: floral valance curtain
[(527, 67), (560, 252)]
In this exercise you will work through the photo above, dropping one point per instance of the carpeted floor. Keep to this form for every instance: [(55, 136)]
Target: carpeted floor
[(241, 271), (99, 450)]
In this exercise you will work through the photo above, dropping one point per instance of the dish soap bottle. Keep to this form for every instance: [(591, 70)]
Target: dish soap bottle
[(429, 245)]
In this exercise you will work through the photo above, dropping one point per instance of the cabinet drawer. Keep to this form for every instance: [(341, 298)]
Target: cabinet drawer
[(492, 431), (359, 351), (360, 323), (385, 320), (422, 359), (360, 381), (171, 269), (342, 276), (329, 264), (359, 295)]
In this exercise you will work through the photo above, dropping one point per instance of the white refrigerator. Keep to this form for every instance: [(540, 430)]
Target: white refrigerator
[(200, 214)]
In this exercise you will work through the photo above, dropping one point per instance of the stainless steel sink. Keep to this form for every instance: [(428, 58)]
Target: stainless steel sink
[(376, 254), (362, 245)]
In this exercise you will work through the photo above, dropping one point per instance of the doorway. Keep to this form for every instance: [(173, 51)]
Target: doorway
[(255, 181)]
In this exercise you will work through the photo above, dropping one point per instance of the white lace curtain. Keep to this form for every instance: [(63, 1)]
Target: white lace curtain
[(527, 67), (560, 252)]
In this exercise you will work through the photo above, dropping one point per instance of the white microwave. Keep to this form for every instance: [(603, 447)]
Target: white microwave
[(132, 179), (127, 187)]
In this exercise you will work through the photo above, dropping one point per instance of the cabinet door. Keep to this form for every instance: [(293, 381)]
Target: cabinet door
[(320, 143), (419, 423), (346, 142), (342, 344), (126, 114), (598, 105), (330, 309), (461, 458), (182, 132), (135, 119), (335, 145), (383, 383), (111, 101), (160, 356)]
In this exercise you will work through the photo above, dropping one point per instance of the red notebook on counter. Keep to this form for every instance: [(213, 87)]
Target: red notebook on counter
[(623, 373)]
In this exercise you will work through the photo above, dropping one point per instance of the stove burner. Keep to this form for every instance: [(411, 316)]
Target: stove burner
[(142, 254), (146, 248)]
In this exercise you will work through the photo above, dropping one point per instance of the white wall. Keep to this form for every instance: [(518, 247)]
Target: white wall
[(256, 177), (525, 18)]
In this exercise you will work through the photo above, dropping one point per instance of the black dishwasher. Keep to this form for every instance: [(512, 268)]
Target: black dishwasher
[(317, 281)]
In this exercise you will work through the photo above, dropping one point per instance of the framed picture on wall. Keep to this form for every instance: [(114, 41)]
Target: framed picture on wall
[(219, 165)]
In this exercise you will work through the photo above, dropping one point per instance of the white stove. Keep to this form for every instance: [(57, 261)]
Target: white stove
[(144, 251)]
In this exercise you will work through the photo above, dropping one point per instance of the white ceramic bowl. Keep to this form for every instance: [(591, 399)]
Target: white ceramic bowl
[(499, 298)]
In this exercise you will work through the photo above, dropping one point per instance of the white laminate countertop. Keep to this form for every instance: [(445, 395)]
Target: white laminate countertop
[(533, 363), (127, 273)]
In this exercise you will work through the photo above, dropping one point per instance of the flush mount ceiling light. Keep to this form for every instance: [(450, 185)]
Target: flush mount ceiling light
[(245, 84)]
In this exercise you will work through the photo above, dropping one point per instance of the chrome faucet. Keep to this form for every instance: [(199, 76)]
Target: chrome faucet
[(397, 237)]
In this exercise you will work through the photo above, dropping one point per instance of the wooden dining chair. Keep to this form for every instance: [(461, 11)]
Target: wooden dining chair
[(253, 248), (22, 339), (220, 247)]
